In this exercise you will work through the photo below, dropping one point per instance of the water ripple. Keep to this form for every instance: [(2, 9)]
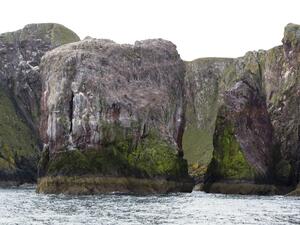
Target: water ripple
[(25, 207)]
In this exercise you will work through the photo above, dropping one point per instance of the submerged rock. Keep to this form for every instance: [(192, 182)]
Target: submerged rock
[(20, 92), (111, 110)]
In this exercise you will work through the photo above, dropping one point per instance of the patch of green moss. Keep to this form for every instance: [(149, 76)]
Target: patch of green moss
[(197, 145), (121, 156), (111, 160), (155, 157), (61, 35), (202, 108), (16, 139), (228, 160), (56, 33)]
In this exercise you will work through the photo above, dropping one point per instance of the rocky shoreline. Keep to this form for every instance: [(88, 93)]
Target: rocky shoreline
[(93, 116), (97, 185)]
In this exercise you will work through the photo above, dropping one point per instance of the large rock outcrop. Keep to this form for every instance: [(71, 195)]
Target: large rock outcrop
[(243, 138), (282, 77), (20, 92), (262, 107), (115, 113)]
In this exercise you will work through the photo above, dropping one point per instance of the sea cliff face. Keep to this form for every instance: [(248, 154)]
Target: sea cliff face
[(95, 116), (20, 91), (257, 121), (206, 80), (111, 110)]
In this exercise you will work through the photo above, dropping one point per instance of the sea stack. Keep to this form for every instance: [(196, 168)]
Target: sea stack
[(112, 118)]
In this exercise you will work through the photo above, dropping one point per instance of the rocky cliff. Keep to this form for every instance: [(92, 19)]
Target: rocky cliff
[(259, 116), (113, 112), (206, 80), (20, 91), (113, 117)]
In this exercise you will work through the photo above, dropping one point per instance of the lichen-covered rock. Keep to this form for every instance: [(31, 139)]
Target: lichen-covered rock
[(113, 110), (20, 84)]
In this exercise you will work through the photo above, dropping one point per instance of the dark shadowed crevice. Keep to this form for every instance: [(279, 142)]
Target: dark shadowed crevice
[(71, 108)]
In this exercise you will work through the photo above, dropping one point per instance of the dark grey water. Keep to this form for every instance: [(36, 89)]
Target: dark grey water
[(24, 207)]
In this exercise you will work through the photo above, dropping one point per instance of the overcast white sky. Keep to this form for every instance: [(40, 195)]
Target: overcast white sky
[(221, 28)]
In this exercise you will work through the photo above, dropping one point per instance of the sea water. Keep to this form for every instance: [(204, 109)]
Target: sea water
[(24, 206)]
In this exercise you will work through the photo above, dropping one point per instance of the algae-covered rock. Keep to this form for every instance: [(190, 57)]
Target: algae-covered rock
[(228, 162), (20, 92), (114, 110)]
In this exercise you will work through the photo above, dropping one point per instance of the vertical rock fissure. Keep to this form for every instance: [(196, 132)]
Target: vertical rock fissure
[(71, 108)]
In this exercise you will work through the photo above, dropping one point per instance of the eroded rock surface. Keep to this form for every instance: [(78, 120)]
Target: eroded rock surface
[(283, 97), (20, 84), (118, 110), (263, 107)]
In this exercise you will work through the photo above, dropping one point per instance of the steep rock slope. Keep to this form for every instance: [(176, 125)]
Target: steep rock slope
[(206, 80), (20, 92), (113, 118), (263, 109), (283, 99)]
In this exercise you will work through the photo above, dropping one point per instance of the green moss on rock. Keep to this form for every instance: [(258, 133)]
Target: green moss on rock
[(206, 80), (151, 166), (228, 159), (61, 35), (197, 142), (120, 156), (154, 157), (56, 33), (17, 142)]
